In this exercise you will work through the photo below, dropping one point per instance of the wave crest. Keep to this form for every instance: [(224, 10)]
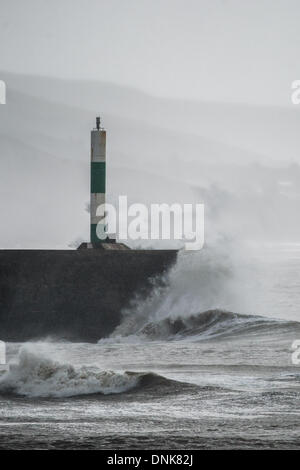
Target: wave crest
[(36, 376), (208, 324)]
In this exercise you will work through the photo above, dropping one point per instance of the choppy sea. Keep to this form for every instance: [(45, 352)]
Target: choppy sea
[(205, 362)]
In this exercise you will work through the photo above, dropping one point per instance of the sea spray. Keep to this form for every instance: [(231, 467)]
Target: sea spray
[(35, 375), (212, 279)]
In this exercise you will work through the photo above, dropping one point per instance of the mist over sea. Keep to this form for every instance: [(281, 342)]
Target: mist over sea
[(190, 367)]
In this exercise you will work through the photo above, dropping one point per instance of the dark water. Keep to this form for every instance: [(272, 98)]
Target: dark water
[(212, 379)]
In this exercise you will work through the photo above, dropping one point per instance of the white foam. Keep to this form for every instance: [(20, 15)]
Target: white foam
[(207, 280), (37, 376)]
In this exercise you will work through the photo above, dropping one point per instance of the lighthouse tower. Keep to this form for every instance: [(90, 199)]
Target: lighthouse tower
[(98, 181), (98, 231)]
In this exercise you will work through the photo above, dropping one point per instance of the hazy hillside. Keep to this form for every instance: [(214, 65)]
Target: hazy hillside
[(272, 133), (158, 151)]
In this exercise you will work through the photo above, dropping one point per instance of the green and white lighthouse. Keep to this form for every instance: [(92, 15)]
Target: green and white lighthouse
[(98, 181)]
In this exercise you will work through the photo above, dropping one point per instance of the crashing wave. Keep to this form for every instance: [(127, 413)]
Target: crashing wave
[(36, 376), (198, 298), (208, 324)]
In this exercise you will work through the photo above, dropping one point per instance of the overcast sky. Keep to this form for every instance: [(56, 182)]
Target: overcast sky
[(228, 50)]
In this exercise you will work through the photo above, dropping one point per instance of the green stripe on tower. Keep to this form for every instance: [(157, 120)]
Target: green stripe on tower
[(98, 171), (94, 237)]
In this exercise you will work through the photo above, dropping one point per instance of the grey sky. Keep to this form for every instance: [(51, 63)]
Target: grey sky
[(228, 50)]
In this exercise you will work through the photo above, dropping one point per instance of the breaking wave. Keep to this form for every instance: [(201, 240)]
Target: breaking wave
[(207, 325), (35, 376), (198, 299)]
